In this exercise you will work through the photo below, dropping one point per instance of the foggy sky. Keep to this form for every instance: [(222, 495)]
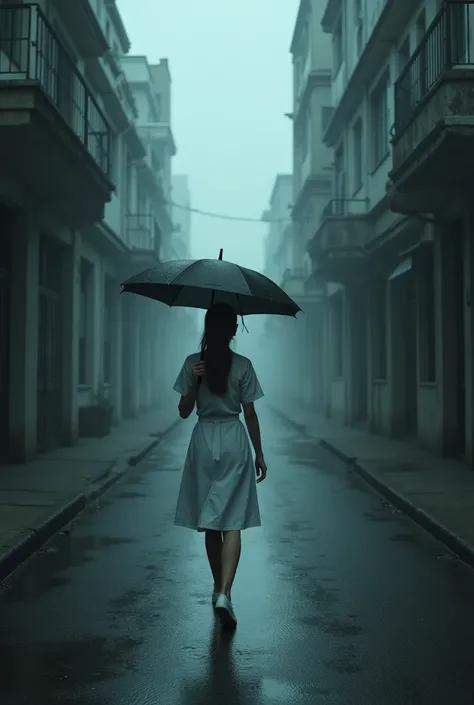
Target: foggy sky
[(232, 84)]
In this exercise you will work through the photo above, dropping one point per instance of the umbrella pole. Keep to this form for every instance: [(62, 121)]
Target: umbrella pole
[(221, 252)]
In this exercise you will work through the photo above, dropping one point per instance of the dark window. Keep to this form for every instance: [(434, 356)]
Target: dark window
[(338, 46), (85, 314), (326, 115), (337, 310), (426, 315), (109, 323), (14, 39), (379, 123), (379, 331), (358, 152)]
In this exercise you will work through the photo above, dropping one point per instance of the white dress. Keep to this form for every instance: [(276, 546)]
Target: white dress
[(218, 487)]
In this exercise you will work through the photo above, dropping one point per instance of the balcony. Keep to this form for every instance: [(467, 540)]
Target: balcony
[(54, 139), (143, 238), (338, 248), (79, 19), (386, 22), (433, 146)]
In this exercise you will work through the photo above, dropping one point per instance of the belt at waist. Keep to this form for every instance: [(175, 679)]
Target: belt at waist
[(216, 424), (218, 419)]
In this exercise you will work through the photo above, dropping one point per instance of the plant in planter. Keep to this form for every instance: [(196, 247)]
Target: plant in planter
[(95, 420)]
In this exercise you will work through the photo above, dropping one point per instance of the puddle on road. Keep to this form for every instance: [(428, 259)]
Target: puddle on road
[(381, 518), (29, 671), (131, 495), (405, 538), (42, 572)]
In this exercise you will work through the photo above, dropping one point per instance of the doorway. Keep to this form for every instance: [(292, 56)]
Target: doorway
[(5, 269), (404, 351), (456, 238), (50, 345), (411, 357), (359, 357)]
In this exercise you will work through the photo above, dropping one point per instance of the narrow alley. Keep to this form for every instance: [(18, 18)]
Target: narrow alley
[(340, 598)]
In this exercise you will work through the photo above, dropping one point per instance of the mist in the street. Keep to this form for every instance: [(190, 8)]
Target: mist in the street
[(236, 379)]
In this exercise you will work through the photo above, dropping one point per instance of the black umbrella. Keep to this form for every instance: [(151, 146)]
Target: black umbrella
[(200, 283)]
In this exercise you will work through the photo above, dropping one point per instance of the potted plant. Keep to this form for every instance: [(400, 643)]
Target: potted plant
[(95, 420)]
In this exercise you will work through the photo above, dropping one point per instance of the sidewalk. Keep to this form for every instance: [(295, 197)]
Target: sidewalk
[(38, 498), (436, 492)]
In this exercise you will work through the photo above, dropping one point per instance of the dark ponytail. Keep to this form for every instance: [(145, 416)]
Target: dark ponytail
[(219, 329)]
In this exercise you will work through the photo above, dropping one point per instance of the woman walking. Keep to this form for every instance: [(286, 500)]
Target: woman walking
[(218, 493)]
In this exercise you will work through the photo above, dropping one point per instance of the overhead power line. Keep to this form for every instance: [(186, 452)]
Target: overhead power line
[(222, 216)]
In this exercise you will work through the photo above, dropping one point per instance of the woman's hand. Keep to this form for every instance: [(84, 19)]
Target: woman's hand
[(198, 370), (260, 468)]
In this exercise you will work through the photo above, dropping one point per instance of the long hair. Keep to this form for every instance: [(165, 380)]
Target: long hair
[(219, 328)]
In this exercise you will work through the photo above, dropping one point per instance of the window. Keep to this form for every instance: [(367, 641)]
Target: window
[(357, 147), (114, 158), (420, 34), (403, 54), (459, 23), (302, 142), (109, 321), (85, 320), (14, 32), (426, 315), (339, 182), (379, 123), (337, 44), (404, 100), (379, 330), (337, 326), (326, 115), (359, 27)]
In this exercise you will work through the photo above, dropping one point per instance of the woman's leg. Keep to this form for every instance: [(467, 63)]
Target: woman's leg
[(231, 549), (214, 555)]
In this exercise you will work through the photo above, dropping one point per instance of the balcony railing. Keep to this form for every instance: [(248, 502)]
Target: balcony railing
[(143, 233), (341, 206), (31, 51), (445, 45)]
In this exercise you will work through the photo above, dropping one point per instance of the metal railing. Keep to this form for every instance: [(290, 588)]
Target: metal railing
[(446, 44), (341, 206), (143, 232), (31, 51)]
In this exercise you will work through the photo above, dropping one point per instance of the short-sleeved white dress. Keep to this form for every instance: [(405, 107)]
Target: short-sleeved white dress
[(218, 488)]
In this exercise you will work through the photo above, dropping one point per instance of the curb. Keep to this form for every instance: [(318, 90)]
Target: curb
[(454, 543), (298, 426), (38, 534), (135, 459)]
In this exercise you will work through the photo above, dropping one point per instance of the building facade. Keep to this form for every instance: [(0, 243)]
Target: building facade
[(396, 260), (311, 191), (81, 209), (182, 217), (278, 243)]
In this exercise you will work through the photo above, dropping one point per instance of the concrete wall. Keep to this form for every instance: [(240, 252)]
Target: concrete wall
[(279, 218), (108, 247)]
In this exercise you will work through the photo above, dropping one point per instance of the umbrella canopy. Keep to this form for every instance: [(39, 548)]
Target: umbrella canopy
[(200, 283)]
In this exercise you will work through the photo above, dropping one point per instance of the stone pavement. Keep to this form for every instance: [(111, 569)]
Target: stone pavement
[(436, 492), (38, 498)]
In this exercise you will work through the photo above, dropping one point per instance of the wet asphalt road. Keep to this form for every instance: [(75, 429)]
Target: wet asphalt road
[(339, 599)]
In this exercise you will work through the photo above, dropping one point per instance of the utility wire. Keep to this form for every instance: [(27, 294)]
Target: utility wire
[(221, 216)]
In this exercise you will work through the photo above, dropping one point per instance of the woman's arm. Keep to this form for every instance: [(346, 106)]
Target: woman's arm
[(188, 401), (253, 427)]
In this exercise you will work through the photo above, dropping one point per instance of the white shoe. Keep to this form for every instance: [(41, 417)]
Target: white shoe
[(226, 612)]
